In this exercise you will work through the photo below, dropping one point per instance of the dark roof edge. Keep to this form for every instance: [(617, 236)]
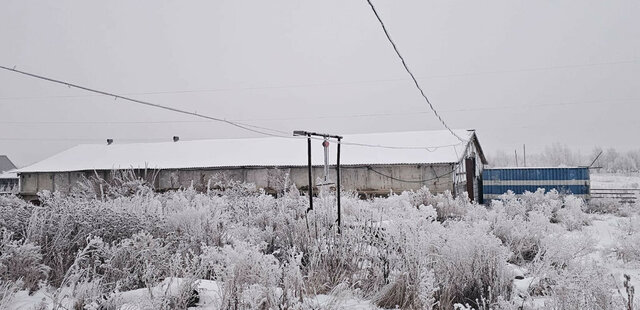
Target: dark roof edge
[(474, 137)]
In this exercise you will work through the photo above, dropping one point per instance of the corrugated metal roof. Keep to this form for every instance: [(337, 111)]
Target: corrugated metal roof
[(258, 152)]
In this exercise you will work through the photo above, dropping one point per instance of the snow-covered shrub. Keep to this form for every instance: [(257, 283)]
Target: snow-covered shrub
[(292, 284), (250, 277), (558, 249), (571, 215), (21, 261), (522, 223), (63, 224), (137, 262), (176, 293), (581, 286), (14, 215), (447, 206), (522, 235), (627, 246), (407, 250), (568, 279), (557, 208), (603, 205), (469, 264), (410, 250), (348, 258), (427, 289), (196, 218)]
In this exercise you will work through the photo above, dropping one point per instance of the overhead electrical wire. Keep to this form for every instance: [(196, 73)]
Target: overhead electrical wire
[(406, 67), (115, 96), (258, 129), (328, 84), (411, 181), (333, 116)]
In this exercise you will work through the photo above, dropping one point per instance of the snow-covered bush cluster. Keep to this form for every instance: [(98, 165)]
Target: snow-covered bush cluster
[(628, 245), (415, 250)]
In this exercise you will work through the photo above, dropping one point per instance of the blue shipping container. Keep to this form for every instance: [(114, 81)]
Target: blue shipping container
[(498, 181)]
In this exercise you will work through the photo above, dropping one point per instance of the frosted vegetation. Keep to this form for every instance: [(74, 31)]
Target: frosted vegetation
[(558, 155), (415, 250)]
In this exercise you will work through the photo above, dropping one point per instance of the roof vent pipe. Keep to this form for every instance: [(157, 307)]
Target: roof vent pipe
[(176, 138), (109, 141)]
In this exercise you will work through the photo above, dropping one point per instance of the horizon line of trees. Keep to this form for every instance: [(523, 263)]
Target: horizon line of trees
[(560, 155)]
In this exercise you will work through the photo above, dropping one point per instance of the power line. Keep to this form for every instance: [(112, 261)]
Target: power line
[(411, 181), (406, 67), (78, 139), (332, 116), (260, 130), (142, 102), (328, 84)]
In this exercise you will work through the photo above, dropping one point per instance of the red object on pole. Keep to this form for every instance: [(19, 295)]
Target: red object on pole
[(325, 143)]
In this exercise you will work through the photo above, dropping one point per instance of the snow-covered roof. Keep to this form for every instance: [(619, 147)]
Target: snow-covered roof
[(11, 174), (6, 164), (271, 151)]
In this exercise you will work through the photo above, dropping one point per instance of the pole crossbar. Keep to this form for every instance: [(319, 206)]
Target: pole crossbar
[(309, 134)]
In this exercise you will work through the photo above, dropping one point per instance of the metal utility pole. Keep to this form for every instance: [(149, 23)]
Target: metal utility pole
[(338, 186), (594, 160), (524, 151), (325, 144)]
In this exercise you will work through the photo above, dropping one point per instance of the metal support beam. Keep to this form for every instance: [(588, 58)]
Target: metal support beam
[(310, 178), (338, 193), (308, 134)]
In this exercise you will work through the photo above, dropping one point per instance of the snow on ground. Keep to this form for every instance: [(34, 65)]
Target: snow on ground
[(615, 180), (209, 294), (606, 230)]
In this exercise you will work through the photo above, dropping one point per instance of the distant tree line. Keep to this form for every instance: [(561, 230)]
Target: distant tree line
[(560, 155)]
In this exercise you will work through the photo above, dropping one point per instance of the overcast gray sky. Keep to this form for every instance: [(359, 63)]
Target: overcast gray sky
[(532, 72)]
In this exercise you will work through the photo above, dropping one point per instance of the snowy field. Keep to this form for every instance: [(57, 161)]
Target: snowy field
[(126, 247), (615, 180)]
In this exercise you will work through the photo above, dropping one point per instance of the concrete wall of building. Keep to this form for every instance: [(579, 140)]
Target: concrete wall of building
[(374, 179)]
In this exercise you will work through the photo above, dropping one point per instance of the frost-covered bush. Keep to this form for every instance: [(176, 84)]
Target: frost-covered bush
[(571, 215), (522, 235), (469, 264), (446, 205), (406, 260), (567, 210), (21, 261), (413, 250), (604, 205), (567, 278), (250, 278), (137, 262), (14, 215), (62, 225), (581, 286), (545, 202), (558, 250), (627, 246)]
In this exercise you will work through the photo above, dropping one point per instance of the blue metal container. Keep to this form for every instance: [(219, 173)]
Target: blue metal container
[(498, 181)]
